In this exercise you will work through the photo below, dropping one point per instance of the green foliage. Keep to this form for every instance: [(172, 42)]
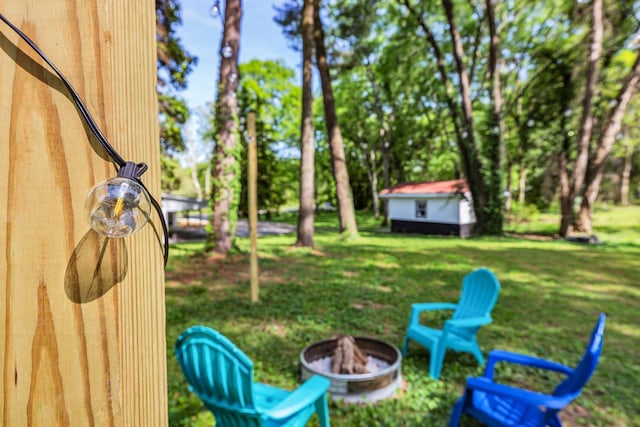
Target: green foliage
[(385, 99), (551, 294), (173, 115), (172, 177), (174, 64), (289, 17), (268, 90)]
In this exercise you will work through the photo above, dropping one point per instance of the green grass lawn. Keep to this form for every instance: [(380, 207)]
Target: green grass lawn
[(552, 291)]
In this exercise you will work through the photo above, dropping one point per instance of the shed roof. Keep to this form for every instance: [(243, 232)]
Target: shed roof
[(434, 187)]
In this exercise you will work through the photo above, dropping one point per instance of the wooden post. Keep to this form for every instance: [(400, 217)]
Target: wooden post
[(82, 320), (252, 200)]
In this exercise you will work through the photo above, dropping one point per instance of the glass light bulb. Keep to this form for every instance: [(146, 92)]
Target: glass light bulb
[(117, 207), (227, 51)]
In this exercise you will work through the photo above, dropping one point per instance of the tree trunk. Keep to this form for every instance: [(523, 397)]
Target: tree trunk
[(371, 167), (508, 196), (626, 175), (196, 182), (226, 172), (467, 142), (522, 184), (386, 178), (346, 212), (586, 123), (611, 129), (307, 153), (495, 151), (566, 203), (383, 146), (372, 171), (193, 167), (568, 191)]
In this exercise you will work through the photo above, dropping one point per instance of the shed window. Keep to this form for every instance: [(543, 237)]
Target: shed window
[(421, 208)]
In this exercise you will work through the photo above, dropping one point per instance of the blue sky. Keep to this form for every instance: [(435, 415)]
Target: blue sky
[(261, 38)]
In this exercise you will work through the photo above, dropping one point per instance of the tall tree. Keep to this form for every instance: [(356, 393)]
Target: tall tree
[(568, 190), (307, 153), (488, 217), (625, 175), (355, 39), (629, 147), (606, 141), (611, 30), (226, 188), (346, 212), (495, 144)]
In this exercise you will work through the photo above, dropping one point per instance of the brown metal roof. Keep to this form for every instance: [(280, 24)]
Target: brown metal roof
[(445, 187)]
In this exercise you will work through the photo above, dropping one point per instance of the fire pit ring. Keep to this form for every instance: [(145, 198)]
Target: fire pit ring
[(353, 388)]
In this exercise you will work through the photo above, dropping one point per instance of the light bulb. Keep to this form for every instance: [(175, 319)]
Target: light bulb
[(215, 10), (227, 51), (118, 207)]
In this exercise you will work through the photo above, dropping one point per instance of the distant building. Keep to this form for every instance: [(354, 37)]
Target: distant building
[(172, 204), (440, 207)]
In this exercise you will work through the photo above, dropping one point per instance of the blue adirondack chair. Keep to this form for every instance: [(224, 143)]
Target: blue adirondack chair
[(480, 290), (502, 405), (222, 377)]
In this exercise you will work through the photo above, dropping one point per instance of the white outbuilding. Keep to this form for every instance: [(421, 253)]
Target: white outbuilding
[(440, 207)]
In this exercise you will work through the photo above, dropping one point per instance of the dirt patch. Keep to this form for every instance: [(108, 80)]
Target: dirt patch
[(367, 304), (214, 271), (193, 274), (275, 328), (533, 236), (574, 416)]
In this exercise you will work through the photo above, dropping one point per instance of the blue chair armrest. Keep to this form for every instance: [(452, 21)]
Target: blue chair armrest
[(429, 306), (496, 356), (468, 322), (526, 396), (300, 398), (418, 308)]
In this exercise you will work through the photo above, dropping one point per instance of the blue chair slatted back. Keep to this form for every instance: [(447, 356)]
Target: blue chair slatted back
[(574, 383), (219, 373), (480, 290)]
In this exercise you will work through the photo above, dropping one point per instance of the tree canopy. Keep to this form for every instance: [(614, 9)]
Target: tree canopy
[(503, 94)]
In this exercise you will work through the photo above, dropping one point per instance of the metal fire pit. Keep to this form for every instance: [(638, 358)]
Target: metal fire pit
[(367, 387)]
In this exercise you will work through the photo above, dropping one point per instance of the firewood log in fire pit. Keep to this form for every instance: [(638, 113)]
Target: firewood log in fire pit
[(348, 358)]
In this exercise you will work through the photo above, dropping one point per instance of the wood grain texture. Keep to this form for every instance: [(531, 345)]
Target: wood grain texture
[(82, 318), (252, 184)]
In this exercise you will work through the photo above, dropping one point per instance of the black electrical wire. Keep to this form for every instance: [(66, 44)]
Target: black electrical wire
[(102, 140)]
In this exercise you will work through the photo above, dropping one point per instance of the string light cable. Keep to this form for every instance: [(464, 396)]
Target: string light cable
[(120, 206)]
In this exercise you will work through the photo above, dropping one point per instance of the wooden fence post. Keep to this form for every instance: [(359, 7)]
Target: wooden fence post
[(252, 199), (82, 317)]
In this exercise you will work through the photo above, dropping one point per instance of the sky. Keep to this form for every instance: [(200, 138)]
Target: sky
[(200, 33)]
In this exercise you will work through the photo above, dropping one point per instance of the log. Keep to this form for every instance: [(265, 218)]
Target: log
[(348, 358)]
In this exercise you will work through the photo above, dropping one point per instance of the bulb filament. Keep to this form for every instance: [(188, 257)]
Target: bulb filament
[(118, 209)]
